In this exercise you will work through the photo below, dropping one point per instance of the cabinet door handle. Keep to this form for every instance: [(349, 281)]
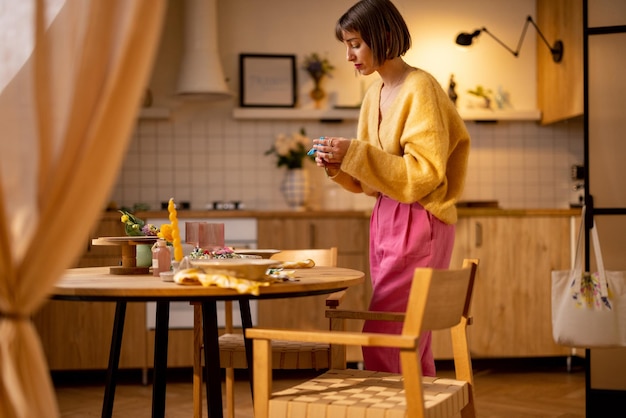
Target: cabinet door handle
[(479, 234)]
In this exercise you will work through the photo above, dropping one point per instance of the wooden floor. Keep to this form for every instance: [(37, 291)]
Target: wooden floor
[(512, 388)]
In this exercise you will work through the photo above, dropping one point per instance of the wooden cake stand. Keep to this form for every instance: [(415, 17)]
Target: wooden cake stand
[(129, 252)]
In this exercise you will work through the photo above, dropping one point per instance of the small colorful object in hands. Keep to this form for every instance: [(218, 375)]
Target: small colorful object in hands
[(314, 150), (178, 248)]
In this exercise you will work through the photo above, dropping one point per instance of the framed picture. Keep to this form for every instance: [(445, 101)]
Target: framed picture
[(267, 80)]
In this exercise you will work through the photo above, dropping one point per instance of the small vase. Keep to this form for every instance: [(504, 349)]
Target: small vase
[(317, 94), (144, 255), (295, 188)]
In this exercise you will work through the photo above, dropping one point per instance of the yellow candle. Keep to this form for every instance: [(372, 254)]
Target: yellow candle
[(178, 248)]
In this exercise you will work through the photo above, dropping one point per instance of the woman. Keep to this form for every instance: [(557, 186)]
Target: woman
[(410, 153)]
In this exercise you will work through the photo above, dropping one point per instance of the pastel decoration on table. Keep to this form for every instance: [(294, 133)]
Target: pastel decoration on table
[(192, 233), (144, 255), (205, 235), (211, 236), (161, 258), (176, 242)]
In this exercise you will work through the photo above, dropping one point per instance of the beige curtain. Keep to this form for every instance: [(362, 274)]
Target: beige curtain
[(72, 74)]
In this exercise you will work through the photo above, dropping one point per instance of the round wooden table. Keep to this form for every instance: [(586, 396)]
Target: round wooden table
[(98, 284)]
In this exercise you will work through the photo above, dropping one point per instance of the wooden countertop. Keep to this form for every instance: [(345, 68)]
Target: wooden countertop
[(259, 214), (465, 212), (269, 214)]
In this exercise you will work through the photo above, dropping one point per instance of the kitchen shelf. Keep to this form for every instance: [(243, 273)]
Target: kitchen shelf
[(496, 115), (154, 113), (353, 114), (291, 113)]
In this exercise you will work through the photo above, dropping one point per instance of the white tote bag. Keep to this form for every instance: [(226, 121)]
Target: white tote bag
[(589, 310)]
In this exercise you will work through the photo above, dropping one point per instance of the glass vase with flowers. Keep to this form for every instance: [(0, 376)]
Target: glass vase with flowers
[(291, 152)]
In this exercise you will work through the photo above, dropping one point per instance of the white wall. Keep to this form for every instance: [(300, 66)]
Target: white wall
[(301, 27), (202, 154)]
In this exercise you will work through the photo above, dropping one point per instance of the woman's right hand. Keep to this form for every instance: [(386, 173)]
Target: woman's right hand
[(330, 151)]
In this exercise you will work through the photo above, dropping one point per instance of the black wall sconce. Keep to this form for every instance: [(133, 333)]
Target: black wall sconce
[(466, 39)]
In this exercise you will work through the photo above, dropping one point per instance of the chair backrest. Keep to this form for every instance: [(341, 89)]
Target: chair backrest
[(322, 256), (439, 299)]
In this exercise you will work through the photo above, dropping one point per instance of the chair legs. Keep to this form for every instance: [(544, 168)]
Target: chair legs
[(197, 369), (230, 392), (197, 360)]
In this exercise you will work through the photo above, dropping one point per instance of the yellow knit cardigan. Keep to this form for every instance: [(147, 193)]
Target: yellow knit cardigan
[(417, 153)]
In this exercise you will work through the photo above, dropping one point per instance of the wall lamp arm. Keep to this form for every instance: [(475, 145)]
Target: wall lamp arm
[(465, 39)]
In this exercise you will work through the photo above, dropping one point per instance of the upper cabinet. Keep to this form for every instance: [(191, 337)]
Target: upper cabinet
[(560, 85)]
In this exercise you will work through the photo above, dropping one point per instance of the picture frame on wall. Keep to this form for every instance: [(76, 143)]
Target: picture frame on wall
[(267, 80)]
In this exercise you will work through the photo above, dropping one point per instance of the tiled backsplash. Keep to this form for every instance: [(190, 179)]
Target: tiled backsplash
[(203, 155)]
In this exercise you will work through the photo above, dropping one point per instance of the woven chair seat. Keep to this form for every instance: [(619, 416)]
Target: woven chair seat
[(362, 393), (286, 354)]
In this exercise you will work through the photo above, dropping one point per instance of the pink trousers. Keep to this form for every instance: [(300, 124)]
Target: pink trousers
[(402, 238)]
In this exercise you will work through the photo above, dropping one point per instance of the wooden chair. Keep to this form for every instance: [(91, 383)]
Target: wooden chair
[(287, 354), (439, 299)]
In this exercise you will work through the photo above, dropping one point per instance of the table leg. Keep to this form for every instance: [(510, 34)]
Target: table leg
[(160, 358), (212, 359), (246, 322), (114, 359)]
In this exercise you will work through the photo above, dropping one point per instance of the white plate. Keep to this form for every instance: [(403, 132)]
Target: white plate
[(264, 253), (244, 268)]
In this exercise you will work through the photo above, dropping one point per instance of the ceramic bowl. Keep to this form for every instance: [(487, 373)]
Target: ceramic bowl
[(262, 253), (244, 268)]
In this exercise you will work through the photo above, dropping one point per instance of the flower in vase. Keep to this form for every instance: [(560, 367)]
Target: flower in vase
[(137, 227), (317, 67), (290, 150)]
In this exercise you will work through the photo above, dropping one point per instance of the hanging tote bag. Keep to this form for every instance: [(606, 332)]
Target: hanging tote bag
[(589, 309)]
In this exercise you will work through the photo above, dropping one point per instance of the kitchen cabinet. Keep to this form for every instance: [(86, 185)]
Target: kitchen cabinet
[(77, 335), (511, 305), (560, 85), (350, 236)]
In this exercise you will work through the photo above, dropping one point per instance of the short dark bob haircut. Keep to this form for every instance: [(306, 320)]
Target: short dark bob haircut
[(381, 27)]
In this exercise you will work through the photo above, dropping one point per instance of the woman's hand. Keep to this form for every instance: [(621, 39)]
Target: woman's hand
[(330, 151)]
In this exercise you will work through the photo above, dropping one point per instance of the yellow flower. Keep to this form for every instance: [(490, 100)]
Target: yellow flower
[(133, 226), (166, 233)]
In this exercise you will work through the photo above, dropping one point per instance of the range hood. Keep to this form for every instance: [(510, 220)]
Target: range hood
[(201, 75)]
